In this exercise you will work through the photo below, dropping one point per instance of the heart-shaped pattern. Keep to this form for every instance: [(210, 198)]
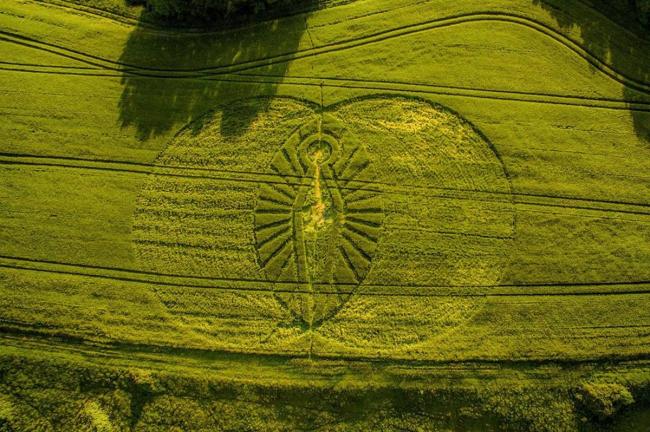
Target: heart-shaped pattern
[(350, 223)]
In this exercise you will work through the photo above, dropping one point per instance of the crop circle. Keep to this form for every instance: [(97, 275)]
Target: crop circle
[(366, 221)]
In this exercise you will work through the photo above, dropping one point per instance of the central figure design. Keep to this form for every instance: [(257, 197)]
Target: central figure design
[(318, 214), (317, 225)]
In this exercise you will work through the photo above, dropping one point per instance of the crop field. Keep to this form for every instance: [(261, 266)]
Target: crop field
[(373, 215)]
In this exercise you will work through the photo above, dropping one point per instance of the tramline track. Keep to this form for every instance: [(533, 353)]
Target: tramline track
[(262, 285), (580, 203)]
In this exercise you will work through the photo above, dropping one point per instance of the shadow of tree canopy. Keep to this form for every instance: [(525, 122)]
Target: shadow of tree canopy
[(629, 55), (156, 100), (165, 81)]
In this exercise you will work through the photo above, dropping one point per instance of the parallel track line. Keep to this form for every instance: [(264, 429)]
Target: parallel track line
[(135, 276), (516, 198), (486, 16)]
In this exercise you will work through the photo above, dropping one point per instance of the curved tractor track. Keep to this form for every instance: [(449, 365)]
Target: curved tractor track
[(238, 67)]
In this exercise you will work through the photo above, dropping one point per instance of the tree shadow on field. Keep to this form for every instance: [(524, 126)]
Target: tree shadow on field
[(167, 84), (628, 55)]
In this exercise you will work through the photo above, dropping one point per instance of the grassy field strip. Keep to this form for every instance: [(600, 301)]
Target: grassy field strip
[(17, 66), (523, 169), (435, 79), (477, 341), (16, 55), (26, 42), (489, 337), (368, 289), (63, 304), (323, 24), (56, 70), (430, 89), (132, 346), (235, 67), (485, 17), (528, 199), (382, 85), (108, 310), (135, 356), (268, 367), (415, 87), (523, 208), (361, 84), (130, 15), (321, 19), (530, 330)]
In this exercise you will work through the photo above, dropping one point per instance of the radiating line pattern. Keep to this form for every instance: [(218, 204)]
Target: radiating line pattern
[(320, 233)]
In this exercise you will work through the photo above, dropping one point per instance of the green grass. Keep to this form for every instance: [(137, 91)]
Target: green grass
[(381, 215)]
